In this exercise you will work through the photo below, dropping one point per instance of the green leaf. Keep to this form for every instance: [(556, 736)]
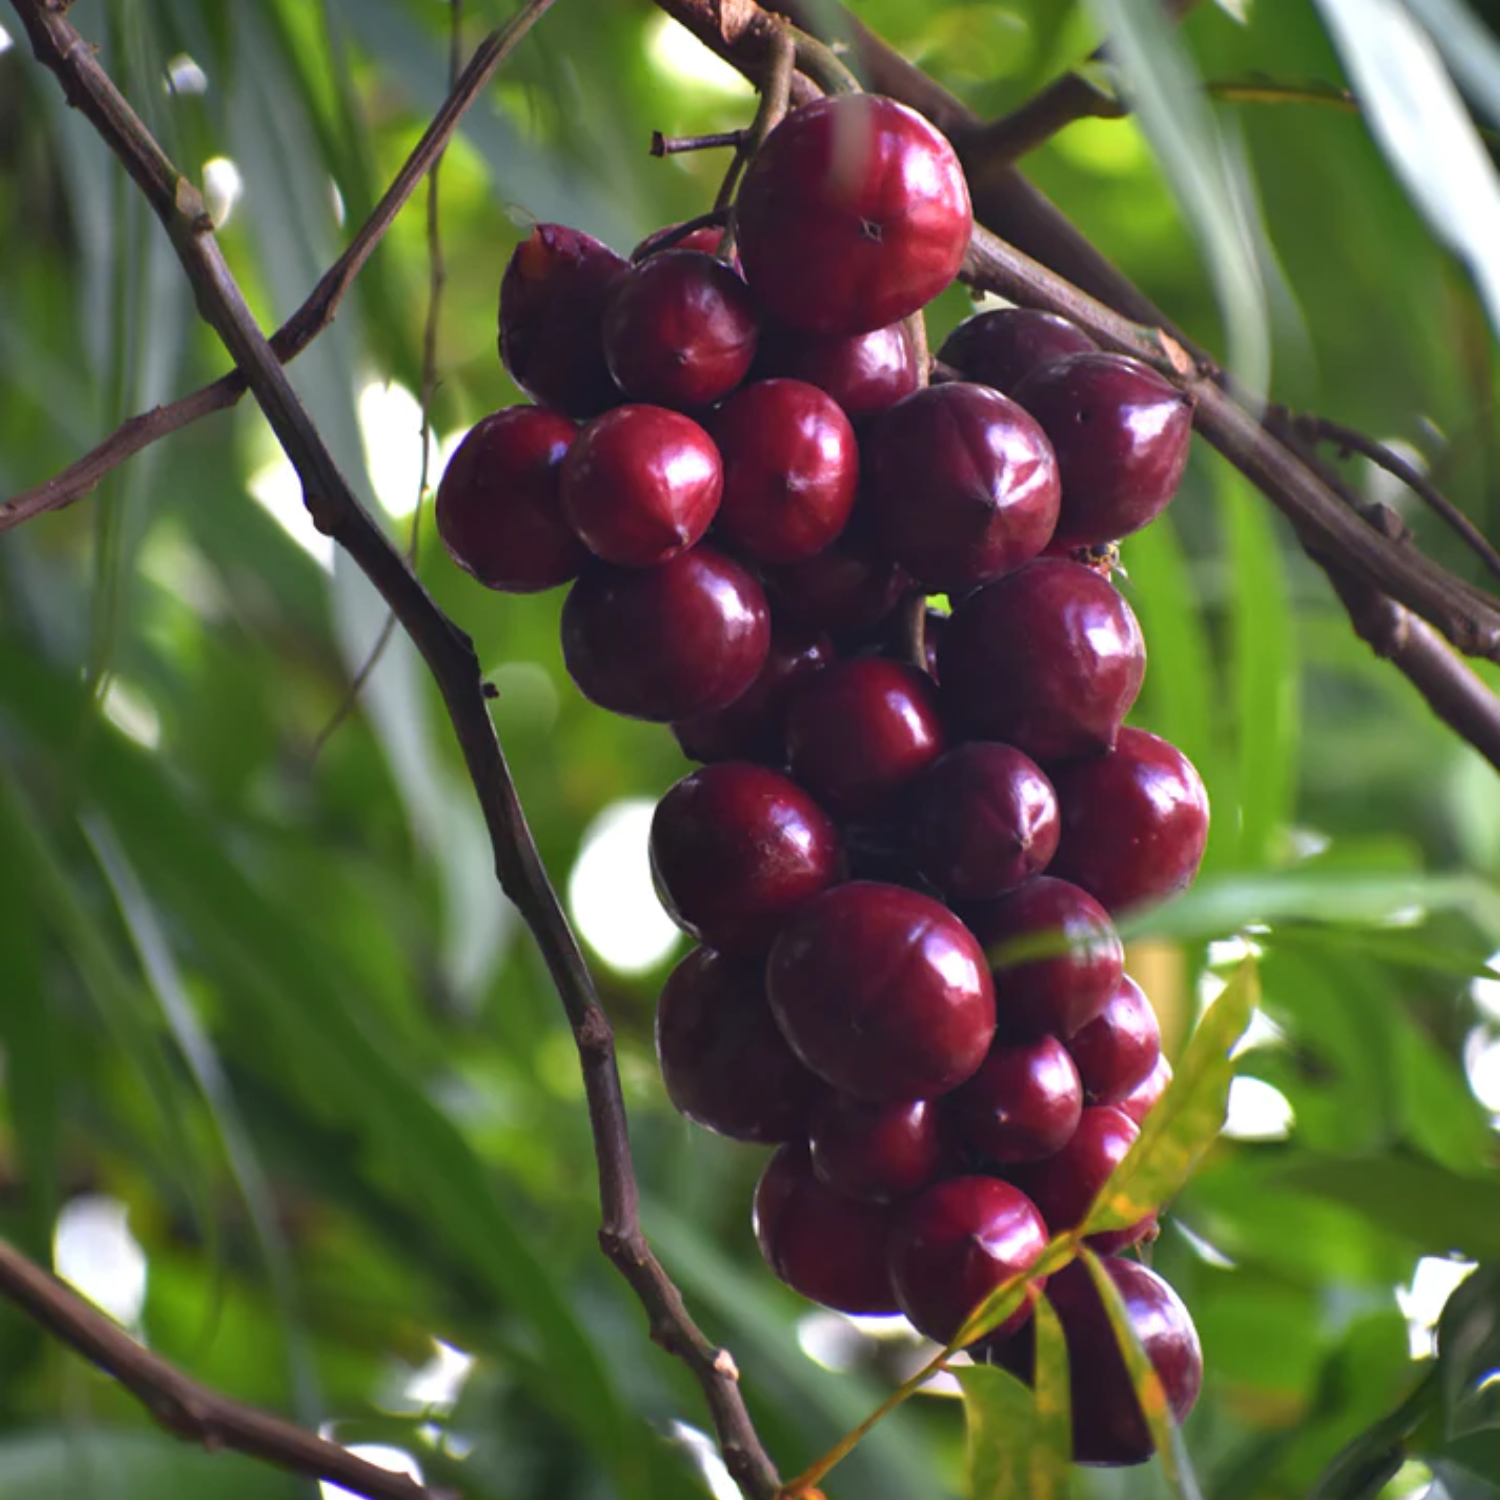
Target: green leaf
[(1187, 1120), (1468, 1335), (1008, 1296), (999, 1434), (1361, 1469), (1049, 1476)]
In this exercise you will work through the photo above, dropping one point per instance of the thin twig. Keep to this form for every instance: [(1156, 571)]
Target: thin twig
[(180, 1404), (677, 145), (450, 657), (775, 98)]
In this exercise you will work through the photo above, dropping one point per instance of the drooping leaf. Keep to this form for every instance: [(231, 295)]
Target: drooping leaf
[(999, 1434), (1050, 1475)]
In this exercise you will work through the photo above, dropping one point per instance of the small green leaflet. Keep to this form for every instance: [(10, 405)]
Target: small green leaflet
[(1006, 1297), (1052, 1446)]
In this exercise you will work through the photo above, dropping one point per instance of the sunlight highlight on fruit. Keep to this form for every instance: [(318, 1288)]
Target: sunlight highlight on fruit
[(609, 891)]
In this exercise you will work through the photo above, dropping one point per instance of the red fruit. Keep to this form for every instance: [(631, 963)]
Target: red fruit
[(680, 330), (864, 372), (725, 1063), (1002, 347), (1049, 660), (859, 730), (985, 476), (735, 850), (791, 466), (706, 238), (854, 214), (957, 1243), (845, 587), (1146, 1096), (1109, 1428), (752, 727), (980, 820), (876, 1151), (552, 299), (1134, 822), (641, 484), (1054, 954), (665, 643), (498, 507), (1118, 1050), (1065, 1185), (1023, 1104), (1121, 434), (830, 1248), (882, 992)]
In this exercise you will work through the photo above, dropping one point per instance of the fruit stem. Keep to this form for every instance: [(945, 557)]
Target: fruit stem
[(914, 630), (675, 145), (775, 98), (916, 331), (678, 232)]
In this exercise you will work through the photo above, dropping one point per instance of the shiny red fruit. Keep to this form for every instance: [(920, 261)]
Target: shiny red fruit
[(961, 485), (680, 330), (723, 1059), (1117, 1051), (859, 731), (877, 1151), (1141, 1100), (828, 1247), (955, 1244), (753, 726), (1121, 434), (1000, 348), (980, 820), (1049, 660), (1054, 954), (882, 992), (864, 372), (791, 467), (1134, 822), (552, 299), (499, 511), (706, 238), (1065, 1185), (853, 215), (665, 643), (847, 586), (1023, 1104), (641, 484), (1109, 1428), (735, 850)]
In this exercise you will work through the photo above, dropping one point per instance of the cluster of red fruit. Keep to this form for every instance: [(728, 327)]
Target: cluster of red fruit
[(904, 852)]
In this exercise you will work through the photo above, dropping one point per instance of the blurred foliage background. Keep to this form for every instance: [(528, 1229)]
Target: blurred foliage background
[(284, 1085)]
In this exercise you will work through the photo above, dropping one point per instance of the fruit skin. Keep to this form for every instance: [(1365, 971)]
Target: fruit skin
[(499, 509), (1134, 822), (1141, 1100), (980, 820), (853, 215), (955, 1244), (707, 238), (791, 469), (881, 1152), (1121, 434), (1054, 954), (1000, 348), (846, 587), (725, 1064), (864, 372), (858, 731), (986, 477), (1118, 1050), (1049, 659), (1108, 1426), (882, 992), (665, 643), (552, 300), (1023, 1104), (641, 484), (680, 330), (735, 850), (828, 1247)]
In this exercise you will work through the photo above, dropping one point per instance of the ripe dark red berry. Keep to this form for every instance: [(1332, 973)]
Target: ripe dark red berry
[(1000, 348), (864, 372), (680, 330), (499, 511), (665, 643), (854, 214), (828, 1247), (980, 820), (706, 238), (986, 479), (1054, 954), (882, 992), (1049, 660), (955, 1244), (724, 1061), (1118, 1050), (1134, 822), (846, 587), (735, 850), (641, 484), (1023, 1104), (791, 467), (552, 299), (1141, 1100), (1121, 434), (877, 1151)]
